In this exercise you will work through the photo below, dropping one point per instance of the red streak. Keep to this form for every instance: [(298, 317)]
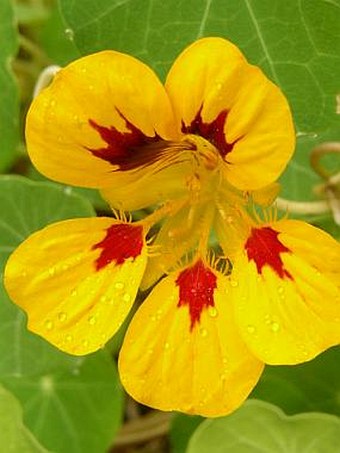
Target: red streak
[(196, 289), (213, 132), (122, 241), (264, 248), (127, 150)]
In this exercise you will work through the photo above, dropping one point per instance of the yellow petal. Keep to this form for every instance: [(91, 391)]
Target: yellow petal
[(286, 293), (102, 117), (182, 350), (77, 280), (218, 95)]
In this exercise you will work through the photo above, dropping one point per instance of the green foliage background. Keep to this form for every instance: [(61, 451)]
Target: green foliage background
[(50, 401)]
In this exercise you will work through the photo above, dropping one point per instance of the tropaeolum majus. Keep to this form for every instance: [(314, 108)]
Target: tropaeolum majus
[(202, 153)]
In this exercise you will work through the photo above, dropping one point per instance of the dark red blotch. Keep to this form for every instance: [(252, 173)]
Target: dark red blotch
[(127, 150), (213, 132), (264, 248), (196, 289), (122, 241)]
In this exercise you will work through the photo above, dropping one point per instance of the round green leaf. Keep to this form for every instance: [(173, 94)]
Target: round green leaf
[(72, 405), (78, 410), (312, 386), (15, 437), (262, 427)]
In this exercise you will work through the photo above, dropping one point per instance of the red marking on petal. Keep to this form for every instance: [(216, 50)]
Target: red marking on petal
[(213, 132), (264, 248), (196, 289), (127, 150), (122, 241)]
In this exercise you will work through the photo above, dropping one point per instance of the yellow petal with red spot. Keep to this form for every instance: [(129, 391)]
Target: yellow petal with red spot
[(182, 350), (77, 280), (218, 95), (104, 116), (286, 292)]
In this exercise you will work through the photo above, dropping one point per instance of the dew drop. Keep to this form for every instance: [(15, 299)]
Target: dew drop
[(103, 299), (49, 324), (23, 274), (52, 271), (280, 290), (69, 34), (62, 316), (69, 338), (85, 343), (119, 285), (74, 292), (203, 332), (251, 329), (166, 345), (275, 327), (233, 283), (212, 312), (52, 103), (92, 320), (126, 297), (223, 377)]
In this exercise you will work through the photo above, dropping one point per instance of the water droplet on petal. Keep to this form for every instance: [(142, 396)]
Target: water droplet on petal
[(119, 285), (280, 289), (212, 312), (49, 324), (233, 283), (251, 329), (62, 316), (126, 297), (69, 338), (275, 327), (92, 320), (51, 271), (166, 345), (74, 292), (203, 332), (85, 343)]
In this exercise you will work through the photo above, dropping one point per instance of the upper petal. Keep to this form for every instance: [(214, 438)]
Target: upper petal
[(287, 299), (217, 94), (77, 280), (182, 350), (102, 117)]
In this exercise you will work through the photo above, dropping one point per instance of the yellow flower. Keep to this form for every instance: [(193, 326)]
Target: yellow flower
[(199, 152)]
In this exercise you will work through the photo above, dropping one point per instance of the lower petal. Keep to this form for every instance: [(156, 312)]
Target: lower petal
[(77, 280), (175, 359), (286, 292)]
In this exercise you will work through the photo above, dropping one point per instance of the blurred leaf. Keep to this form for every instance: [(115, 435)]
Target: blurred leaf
[(54, 40), (71, 405), (182, 428), (9, 99), (262, 427), (312, 386), (30, 14), (73, 411), (15, 437), (296, 43)]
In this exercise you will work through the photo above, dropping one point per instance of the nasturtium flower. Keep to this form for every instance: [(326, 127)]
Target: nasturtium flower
[(233, 288)]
